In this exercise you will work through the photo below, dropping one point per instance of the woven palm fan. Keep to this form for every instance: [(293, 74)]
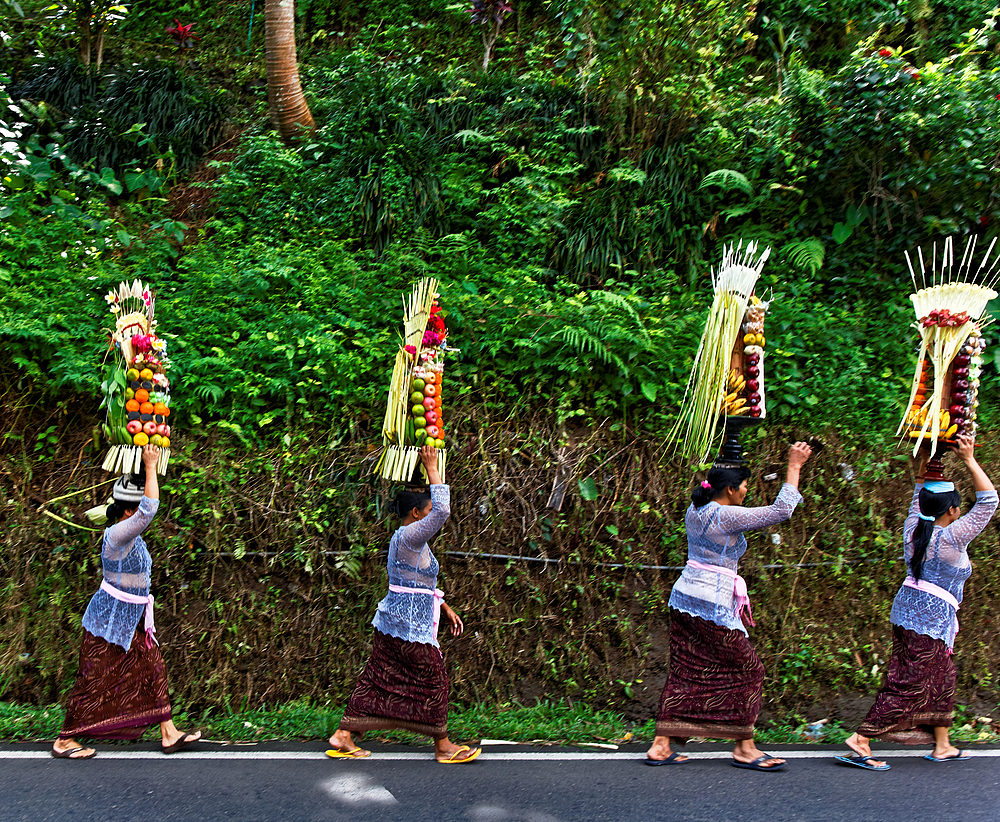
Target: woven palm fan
[(137, 390), (413, 414), (727, 377), (949, 303)]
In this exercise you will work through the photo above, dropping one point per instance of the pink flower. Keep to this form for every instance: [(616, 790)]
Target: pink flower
[(411, 350), (431, 339)]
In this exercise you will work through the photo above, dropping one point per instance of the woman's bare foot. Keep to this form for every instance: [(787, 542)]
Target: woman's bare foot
[(170, 735), (660, 750), (61, 746), (746, 751), (860, 745)]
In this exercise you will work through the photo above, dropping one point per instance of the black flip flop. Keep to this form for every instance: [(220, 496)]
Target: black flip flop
[(670, 760), (183, 742), (69, 754), (756, 764)]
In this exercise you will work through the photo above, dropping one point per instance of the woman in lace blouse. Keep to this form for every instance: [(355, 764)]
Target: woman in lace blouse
[(405, 682), (915, 704), (121, 686), (715, 684)]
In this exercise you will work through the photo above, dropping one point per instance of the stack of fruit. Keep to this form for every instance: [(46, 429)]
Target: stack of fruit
[(137, 390), (427, 422), (744, 392)]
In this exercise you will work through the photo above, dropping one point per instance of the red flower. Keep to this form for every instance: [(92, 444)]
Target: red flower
[(435, 323), (884, 53), (997, 97)]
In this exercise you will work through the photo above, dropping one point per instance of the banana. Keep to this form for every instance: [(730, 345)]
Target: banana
[(739, 412), (951, 432), (741, 383), (729, 398), (737, 404)]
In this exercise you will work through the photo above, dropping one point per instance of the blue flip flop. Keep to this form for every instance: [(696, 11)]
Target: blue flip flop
[(756, 764), (961, 756), (670, 760), (862, 762)]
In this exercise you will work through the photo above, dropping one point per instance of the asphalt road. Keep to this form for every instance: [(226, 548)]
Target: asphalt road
[(289, 783)]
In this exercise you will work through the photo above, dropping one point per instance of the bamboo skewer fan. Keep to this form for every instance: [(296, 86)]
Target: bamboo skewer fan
[(949, 303)]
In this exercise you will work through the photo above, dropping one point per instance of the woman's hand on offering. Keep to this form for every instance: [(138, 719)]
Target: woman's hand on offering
[(456, 621), (150, 455), (798, 454), (966, 448), (429, 457)]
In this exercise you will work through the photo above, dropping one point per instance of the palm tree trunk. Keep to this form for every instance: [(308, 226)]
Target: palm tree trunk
[(289, 110)]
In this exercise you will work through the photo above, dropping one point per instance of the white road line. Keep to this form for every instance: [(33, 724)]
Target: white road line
[(498, 756)]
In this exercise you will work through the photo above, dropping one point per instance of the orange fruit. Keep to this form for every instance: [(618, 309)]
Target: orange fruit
[(140, 439), (145, 374), (132, 405), (146, 408), (160, 408), (165, 443), (166, 411), (142, 395)]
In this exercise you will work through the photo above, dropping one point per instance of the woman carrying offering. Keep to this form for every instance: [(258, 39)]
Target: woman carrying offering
[(715, 684), (121, 686), (915, 704), (405, 683)]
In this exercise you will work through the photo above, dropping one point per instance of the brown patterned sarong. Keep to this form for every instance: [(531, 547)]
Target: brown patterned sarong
[(117, 695), (404, 685), (918, 694), (715, 687)]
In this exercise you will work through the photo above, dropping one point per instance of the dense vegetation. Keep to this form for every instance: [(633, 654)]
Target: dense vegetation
[(572, 198)]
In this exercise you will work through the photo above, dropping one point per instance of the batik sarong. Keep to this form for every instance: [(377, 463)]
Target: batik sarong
[(716, 682), (117, 694), (918, 694), (404, 685)]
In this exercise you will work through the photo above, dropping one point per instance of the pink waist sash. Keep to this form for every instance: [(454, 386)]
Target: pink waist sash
[(437, 593), (739, 587), (935, 591), (135, 599)]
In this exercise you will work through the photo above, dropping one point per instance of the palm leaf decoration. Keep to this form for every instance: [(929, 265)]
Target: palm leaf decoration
[(949, 305), (698, 427)]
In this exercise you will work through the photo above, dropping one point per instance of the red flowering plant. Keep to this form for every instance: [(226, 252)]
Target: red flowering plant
[(184, 36)]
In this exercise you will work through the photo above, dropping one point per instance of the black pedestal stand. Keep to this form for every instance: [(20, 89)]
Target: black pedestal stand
[(731, 453)]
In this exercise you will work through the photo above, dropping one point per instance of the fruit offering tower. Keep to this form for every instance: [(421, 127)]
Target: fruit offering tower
[(949, 305), (727, 379), (137, 389), (414, 414)]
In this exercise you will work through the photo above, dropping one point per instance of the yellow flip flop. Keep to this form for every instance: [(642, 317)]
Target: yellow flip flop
[(451, 760), (354, 753)]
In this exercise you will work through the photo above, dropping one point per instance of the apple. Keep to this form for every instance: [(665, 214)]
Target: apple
[(433, 431), (430, 402), (161, 429), (752, 385), (432, 417), (149, 428), (133, 427)]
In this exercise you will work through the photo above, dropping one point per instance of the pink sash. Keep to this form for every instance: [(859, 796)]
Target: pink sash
[(437, 593), (739, 587), (935, 591), (135, 599)]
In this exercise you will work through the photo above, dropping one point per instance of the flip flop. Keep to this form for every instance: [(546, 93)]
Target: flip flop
[(961, 756), (756, 764), (69, 754), (185, 740), (451, 760), (862, 762), (354, 753), (670, 760)]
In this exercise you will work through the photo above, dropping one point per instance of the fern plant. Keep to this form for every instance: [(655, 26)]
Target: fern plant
[(807, 254)]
